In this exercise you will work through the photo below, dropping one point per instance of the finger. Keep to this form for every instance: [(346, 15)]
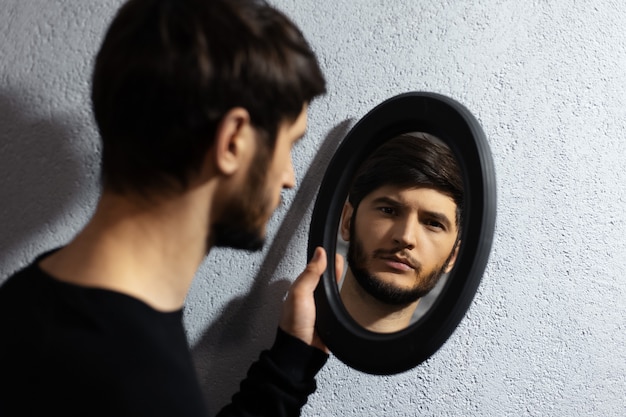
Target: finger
[(338, 267)]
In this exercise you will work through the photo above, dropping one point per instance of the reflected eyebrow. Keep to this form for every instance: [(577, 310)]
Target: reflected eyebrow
[(387, 200)]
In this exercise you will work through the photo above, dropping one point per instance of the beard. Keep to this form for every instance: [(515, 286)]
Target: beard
[(382, 290), (242, 224)]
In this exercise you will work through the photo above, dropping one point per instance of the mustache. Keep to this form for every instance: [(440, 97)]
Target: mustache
[(398, 253)]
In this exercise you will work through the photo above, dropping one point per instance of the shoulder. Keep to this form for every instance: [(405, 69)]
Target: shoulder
[(62, 342)]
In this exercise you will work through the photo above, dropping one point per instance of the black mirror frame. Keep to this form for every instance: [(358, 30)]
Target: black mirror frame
[(385, 354)]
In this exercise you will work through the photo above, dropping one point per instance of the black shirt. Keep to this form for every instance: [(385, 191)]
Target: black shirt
[(67, 350)]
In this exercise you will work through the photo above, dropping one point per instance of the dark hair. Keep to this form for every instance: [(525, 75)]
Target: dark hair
[(169, 70), (411, 160)]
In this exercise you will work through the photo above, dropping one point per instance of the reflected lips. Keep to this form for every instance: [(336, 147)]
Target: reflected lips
[(401, 264)]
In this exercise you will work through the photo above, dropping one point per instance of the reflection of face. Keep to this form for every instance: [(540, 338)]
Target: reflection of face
[(243, 224), (401, 241)]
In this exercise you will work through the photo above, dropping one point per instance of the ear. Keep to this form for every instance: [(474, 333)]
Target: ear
[(232, 140), (346, 218), (452, 260)]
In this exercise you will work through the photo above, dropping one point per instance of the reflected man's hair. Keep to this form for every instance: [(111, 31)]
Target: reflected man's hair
[(411, 160), (169, 70)]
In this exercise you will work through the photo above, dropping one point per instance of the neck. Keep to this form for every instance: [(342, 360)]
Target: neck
[(371, 313), (148, 250)]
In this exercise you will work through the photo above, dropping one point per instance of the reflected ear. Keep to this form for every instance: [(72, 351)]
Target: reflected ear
[(452, 260), (232, 140), (346, 218)]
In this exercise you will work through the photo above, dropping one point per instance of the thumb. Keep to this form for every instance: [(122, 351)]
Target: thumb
[(298, 317), (309, 279)]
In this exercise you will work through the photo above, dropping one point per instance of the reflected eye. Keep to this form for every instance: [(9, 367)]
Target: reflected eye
[(387, 210), (435, 225)]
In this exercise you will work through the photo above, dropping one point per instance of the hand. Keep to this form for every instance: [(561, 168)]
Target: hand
[(298, 316)]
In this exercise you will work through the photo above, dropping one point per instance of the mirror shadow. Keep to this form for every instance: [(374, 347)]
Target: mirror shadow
[(248, 323), (400, 231), (425, 239)]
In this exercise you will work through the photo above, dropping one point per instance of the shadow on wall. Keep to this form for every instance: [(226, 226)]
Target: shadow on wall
[(248, 324), (41, 179)]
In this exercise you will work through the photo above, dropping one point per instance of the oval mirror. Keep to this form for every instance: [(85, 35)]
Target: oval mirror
[(416, 240)]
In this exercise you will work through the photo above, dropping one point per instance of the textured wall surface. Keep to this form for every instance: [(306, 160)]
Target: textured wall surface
[(545, 335)]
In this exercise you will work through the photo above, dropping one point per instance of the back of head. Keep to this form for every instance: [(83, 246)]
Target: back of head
[(412, 160), (169, 70)]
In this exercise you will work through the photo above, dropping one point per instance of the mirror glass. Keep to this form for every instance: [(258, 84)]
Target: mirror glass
[(410, 199), (399, 231)]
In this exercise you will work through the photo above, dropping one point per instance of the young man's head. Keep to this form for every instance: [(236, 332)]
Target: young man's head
[(169, 78), (403, 218)]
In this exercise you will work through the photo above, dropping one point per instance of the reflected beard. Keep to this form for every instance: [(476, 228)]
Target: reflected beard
[(381, 290)]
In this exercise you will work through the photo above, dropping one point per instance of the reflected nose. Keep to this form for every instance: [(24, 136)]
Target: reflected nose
[(405, 232)]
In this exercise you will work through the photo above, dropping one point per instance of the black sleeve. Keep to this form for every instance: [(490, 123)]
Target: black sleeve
[(279, 383)]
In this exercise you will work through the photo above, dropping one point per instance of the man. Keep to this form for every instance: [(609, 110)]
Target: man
[(198, 104), (402, 221)]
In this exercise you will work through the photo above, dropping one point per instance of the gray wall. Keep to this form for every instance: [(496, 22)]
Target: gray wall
[(546, 333)]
